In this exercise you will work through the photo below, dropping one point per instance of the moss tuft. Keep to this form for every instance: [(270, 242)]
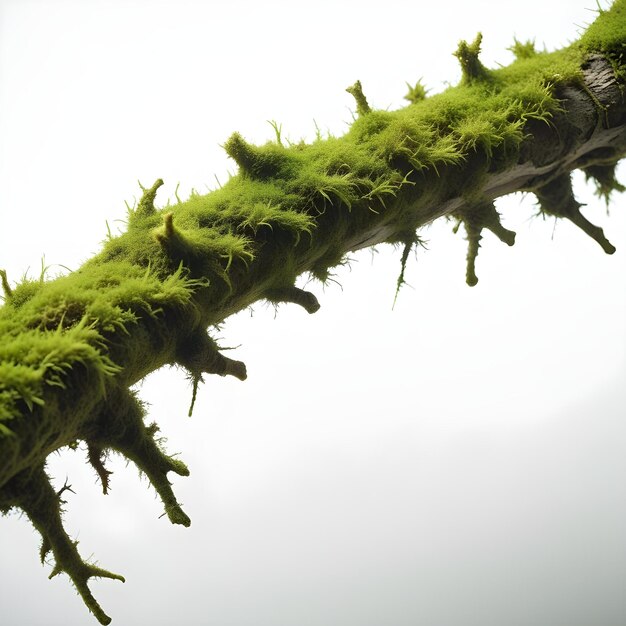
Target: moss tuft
[(471, 67), (416, 92), (603, 175), (523, 50)]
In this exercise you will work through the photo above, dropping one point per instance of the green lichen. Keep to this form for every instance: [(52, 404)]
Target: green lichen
[(72, 347)]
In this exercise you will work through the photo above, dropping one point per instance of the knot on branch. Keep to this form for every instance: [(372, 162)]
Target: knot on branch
[(356, 91), (557, 198), (475, 219)]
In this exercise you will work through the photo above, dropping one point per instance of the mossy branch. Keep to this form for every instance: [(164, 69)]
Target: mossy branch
[(34, 495), (72, 347)]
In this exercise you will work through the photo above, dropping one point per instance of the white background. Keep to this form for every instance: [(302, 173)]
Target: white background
[(458, 461)]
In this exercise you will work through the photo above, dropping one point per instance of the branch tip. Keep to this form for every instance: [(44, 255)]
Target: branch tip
[(166, 235), (235, 368), (503, 234), (8, 292), (294, 295), (356, 91), (473, 245), (168, 222), (138, 443), (471, 67), (146, 203), (200, 354), (557, 198), (476, 218), (42, 505), (94, 457)]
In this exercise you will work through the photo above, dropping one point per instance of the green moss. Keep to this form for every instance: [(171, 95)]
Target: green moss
[(603, 174), (23, 292), (356, 90), (71, 347), (607, 33), (523, 50), (416, 93), (259, 162), (291, 197), (467, 54)]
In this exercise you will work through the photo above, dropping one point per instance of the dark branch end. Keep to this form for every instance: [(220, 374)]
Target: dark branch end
[(305, 299)]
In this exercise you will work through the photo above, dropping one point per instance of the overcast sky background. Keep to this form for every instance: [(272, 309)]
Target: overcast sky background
[(458, 461)]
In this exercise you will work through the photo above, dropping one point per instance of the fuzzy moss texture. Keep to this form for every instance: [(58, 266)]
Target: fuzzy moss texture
[(72, 347)]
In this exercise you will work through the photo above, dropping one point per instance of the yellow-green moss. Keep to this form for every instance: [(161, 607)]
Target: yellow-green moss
[(72, 346)]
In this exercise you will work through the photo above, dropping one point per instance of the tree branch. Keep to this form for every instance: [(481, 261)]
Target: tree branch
[(72, 347)]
